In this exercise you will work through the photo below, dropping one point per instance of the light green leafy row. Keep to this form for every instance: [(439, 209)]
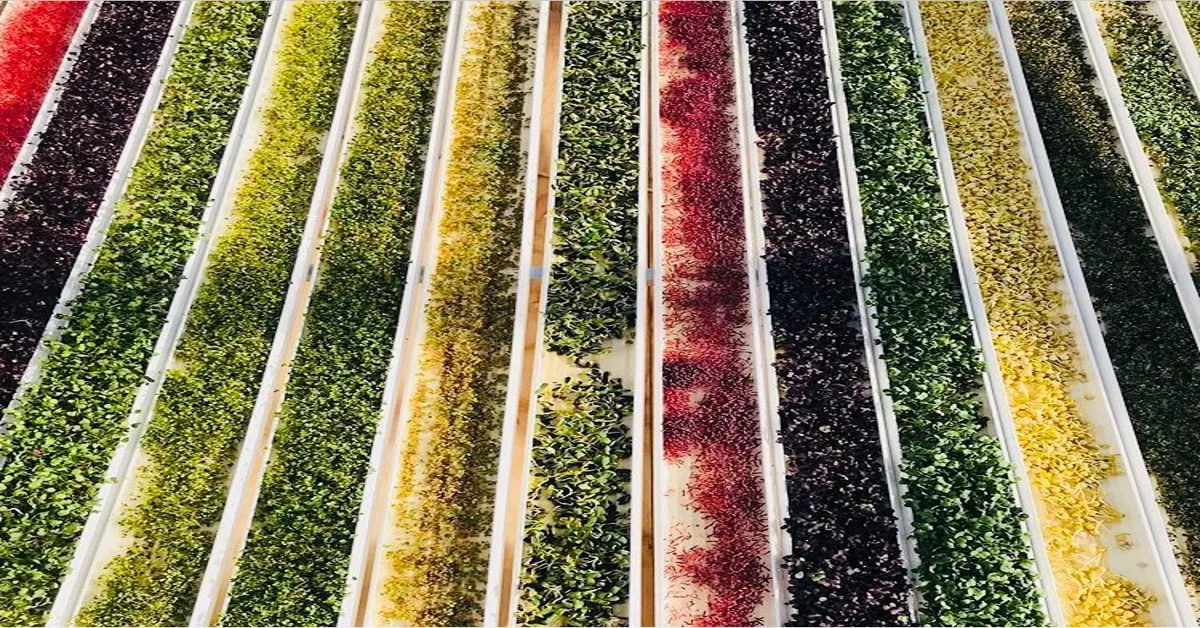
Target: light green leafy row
[(575, 567), (294, 568), (58, 442), (206, 401)]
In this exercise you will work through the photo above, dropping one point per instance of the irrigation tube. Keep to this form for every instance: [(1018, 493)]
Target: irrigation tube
[(1128, 447), (403, 349), (766, 383), (252, 459), (49, 103), (638, 483), (993, 381), (889, 431), (97, 232), (642, 607)]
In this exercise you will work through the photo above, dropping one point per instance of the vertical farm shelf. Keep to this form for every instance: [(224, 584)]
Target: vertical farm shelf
[(294, 566), (57, 193), (956, 472), (1101, 544), (200, 412), (1153, 351), (427, 552), (712, 478)]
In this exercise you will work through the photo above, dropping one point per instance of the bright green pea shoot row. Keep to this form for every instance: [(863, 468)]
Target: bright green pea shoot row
[(575, 567), (294, 568), (967, 524), (58, 442), (201, 415)]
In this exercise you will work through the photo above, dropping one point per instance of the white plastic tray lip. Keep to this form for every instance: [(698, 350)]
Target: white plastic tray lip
[(774, 461), (1170, 241), (889, 430), (49, 105), (402, 347), (242, 498), (368, 601), (1181, 39), (101, 522), (657, 321), (1127, 445), (508, 435), (993, 382), (775, 604), (637, 480), (633, 598), (98, 230)]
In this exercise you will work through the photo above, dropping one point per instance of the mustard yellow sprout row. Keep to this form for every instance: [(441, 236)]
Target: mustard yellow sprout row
[(447, 469), (1019, 276)]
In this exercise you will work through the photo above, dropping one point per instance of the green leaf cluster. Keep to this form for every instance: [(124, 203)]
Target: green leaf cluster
[(448, 465), (201, 414), (293, 571), (575, 567), (1161, 103), (592, 294), (1147, 334), (1190, 10), (967, 525), (56, 445)]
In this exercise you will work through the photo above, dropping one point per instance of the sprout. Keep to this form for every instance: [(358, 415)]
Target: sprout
[(967, 523), (56, 195)]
